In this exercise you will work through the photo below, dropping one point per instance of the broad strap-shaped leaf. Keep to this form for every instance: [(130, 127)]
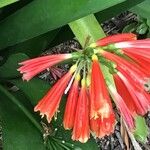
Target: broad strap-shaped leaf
[(87, 27), (142, 9), (9, 68), (18, 131), (35, 89), (34, 46), (116, 10), (6, 2), (39, 17)]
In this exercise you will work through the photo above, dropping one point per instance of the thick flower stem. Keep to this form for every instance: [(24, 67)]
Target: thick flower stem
[(87, 27), (87, 30)]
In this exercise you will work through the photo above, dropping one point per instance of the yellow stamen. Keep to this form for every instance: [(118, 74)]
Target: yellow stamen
[(83, 82), (88, 80), (77, 78), (93, 45), (73, 68), (94, 57)]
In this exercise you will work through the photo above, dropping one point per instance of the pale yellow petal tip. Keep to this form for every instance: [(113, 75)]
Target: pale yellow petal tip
[(83, 140), (78, 77), (88, 81), (66, 128), (93, 45), (83, 82), (73, 68), (94, 57), (80, 139)]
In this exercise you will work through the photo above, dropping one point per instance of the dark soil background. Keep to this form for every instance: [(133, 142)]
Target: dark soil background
[(112, 26)]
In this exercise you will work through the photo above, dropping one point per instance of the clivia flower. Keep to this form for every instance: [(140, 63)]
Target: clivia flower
[(71, 105), (140, 59), (140, 44), (123, 108), (113, 39), (128, 73), (102, 118), (32, 67), (49, 104), (89, 107), (81, 129)]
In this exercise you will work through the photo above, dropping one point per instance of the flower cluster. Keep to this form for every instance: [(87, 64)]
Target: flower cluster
[(89, 106)]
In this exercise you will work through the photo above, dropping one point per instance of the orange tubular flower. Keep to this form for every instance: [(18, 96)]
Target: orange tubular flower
[(133, 79), (81, 131), (49, 104), (100, 104), (123, 92), (34, 66), (140, 56), (114, 38), (140, 44), (126, 114), (70, 108), (102, 118)]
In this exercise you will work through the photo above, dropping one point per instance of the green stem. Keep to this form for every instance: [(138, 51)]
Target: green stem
[(21, 107), (89, 27)]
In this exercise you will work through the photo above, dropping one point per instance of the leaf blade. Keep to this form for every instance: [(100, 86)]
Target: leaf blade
[(6, 2), (44, 19)]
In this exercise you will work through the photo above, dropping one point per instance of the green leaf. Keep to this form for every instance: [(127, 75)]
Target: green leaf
[(142, 9), (18, 131), (35, 89), (87, 27), (116, 10), (64, 34), (142, 29), (35, 46), (10, 9), (141, 131), (39, 17), (6, 2), (9, 68), (130, 28)]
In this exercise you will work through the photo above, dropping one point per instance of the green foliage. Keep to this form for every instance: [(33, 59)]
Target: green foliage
[(17, 129), (26, 24), (116, 10), (6, 2), (130, 27), (141, 131), (84, 29), (34, 46), (9, 68), (143, 9), (140, 27)]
